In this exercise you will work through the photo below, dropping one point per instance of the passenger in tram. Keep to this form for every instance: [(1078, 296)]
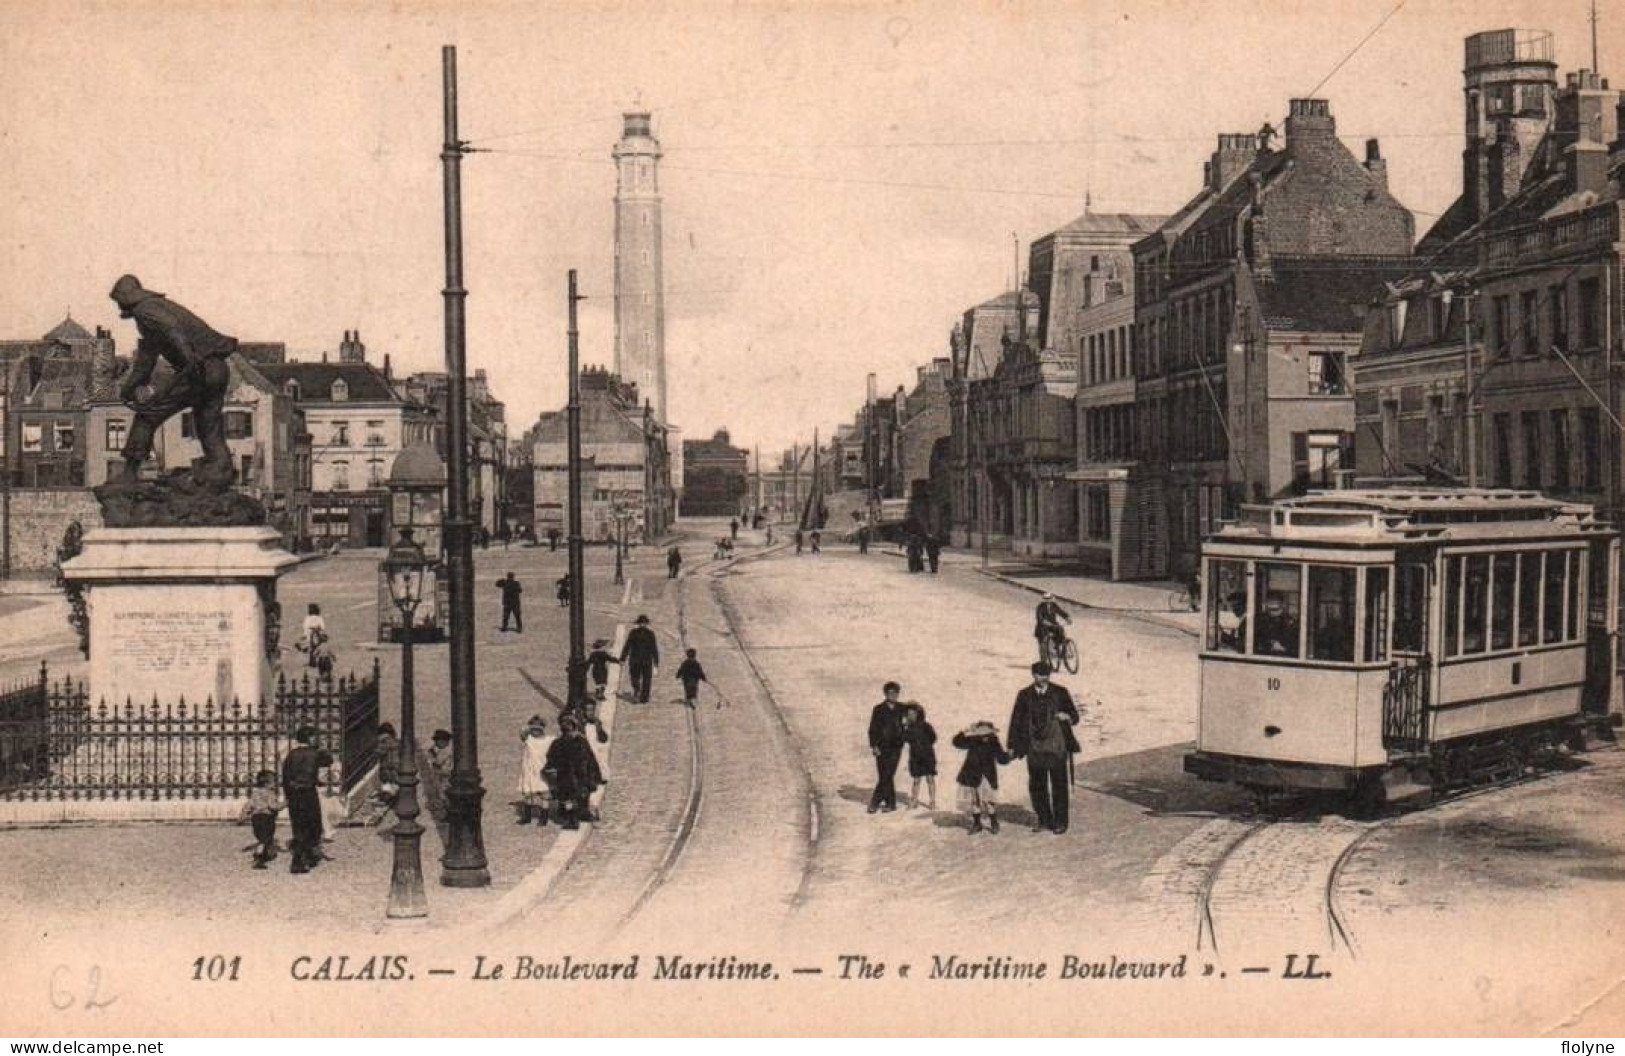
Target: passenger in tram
[(1277, 630), (1233, 622)]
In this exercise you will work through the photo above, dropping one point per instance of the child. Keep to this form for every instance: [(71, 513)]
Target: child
[(261, 808), (533, 792), (389, 758), (598, 662), (573, 773), (691, 674), (979, 777), (921, 739), (439, 772), (564, 590)]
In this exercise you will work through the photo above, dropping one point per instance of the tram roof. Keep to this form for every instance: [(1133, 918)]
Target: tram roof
[(1363, 516)]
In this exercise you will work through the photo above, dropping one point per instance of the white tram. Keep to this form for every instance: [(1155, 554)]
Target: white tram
[(1390, 642)]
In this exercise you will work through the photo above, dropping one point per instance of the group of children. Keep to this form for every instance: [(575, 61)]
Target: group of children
[(557, 772), (978, 778)]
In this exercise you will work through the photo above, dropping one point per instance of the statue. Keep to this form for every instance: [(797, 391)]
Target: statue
[(198, 381)]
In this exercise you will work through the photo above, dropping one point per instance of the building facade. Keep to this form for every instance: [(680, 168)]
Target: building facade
[(715, 483)]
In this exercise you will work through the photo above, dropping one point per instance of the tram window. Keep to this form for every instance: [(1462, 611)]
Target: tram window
[(1227, 612), (1376, 614), (1276, 630), (1331, 613), (1452, 606), (1475, 604), (1411, 608), (1574, 594), (1528, 598), (1552, 610), (1504, 584)]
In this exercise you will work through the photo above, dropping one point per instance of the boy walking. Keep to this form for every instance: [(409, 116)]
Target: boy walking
[(691, 674), (979, 777), (262, 808), (598, 662)]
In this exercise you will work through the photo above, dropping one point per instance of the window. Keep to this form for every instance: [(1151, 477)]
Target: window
[(1331, 613), (1316, 458), (1452, 606), (1438, 317), (1099, 512), (245, 473), (1396, 323), (1475, 605), (1411, 610), (341, 476), (117, 430), (1503, 326), (1326, 374), (340, 436), (33, 436), (1590, 449), (1502, 426), (1560, 449), (239, 425), (1590, 315), (1557, 310), (188, 429), (375, 472), (1530, 322), (375, 432), (64, 435), (291, 389), (1503, 583), (1528, 598), (1574, 627), (1227, 606), (1552, 609), (1530, 421), (1276, 630), (1376, 615), (339, 391)]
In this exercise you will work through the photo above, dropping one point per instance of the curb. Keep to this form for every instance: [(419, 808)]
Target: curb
[(1132, 614)]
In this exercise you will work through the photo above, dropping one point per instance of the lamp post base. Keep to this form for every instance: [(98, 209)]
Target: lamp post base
[(464, 862), (406, 898)]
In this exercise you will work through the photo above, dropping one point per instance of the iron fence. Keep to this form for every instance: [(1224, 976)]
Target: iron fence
[(56, 745)]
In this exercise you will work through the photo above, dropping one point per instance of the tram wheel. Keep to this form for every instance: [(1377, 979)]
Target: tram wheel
[(1368, 797)]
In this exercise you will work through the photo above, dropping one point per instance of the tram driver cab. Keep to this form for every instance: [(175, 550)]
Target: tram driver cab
[(1393, 642)]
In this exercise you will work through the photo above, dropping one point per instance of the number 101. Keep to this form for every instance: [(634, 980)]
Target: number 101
[(216, 968)]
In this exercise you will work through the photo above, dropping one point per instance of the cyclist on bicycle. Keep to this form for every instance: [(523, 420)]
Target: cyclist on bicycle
[(1050, 616)]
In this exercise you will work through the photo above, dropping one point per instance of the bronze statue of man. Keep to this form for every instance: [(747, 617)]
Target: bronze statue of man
[(197, 355)]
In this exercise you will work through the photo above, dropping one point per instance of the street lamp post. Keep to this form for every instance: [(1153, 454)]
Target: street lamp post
[(464, 861), (403, 571), (576, 671)]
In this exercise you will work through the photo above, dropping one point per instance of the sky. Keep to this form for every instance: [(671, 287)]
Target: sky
[(841, 179)]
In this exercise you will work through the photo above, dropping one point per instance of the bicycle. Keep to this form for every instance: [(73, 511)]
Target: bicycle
[(1059, 652)]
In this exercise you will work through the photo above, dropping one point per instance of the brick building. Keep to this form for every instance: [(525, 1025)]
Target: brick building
[(715, 473), (1250, 302)]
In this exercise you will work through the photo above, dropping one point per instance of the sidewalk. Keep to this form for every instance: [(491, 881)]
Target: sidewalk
[(1149, 600)]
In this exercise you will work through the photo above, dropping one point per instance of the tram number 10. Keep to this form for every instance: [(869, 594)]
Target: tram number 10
[(1272, 684)]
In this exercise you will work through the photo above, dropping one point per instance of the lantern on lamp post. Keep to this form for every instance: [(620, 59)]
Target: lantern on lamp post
[(405, 569)]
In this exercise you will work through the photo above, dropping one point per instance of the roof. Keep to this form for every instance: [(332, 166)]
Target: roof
[(1411, 514), (1007, 301), (418, 466), (68, 330), (67, 378), (1136, 224), (1325, 294), (366, 382)]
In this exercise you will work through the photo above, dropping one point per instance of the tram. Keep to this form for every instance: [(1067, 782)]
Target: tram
[(1389, 643)]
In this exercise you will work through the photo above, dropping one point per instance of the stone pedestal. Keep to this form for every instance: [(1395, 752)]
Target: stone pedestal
[(179, 612)]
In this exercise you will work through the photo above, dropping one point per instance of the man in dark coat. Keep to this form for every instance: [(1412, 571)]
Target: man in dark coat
[(1041, 732), (300, 772), (641, 654), (933, 551), (674, 562), (573, 773), (511, 590), (886, 744), (198, 356)]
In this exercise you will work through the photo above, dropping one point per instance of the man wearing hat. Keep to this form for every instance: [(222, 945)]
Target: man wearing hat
[(301, 770), (641, 654), (886, 744), (198, 383), (1041, 732), (573, 772)]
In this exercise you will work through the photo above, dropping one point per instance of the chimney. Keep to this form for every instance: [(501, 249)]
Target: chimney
[(1374, 163), (1309, 121), (1588, 165), (103, 366), (386, 367), (1235, 152)]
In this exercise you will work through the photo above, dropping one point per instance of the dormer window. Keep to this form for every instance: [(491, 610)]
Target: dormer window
[(291, 389), (340, 391)]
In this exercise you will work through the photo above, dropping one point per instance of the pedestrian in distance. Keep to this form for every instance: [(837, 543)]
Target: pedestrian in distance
[(436, 774), (641, 655), (552, 540), (863, 538), (301, 773), (674, 562), (573, 773), (312, 633), (564, 590), (733, 528), (886, 745), (769, 535), (598, 662), (915, 563), (800, 540), (933, 552), (1041, 732), (512, 590), (921, 738), (534, 796), (691, 674), (817, 539), (261, 810), (978, 778)]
